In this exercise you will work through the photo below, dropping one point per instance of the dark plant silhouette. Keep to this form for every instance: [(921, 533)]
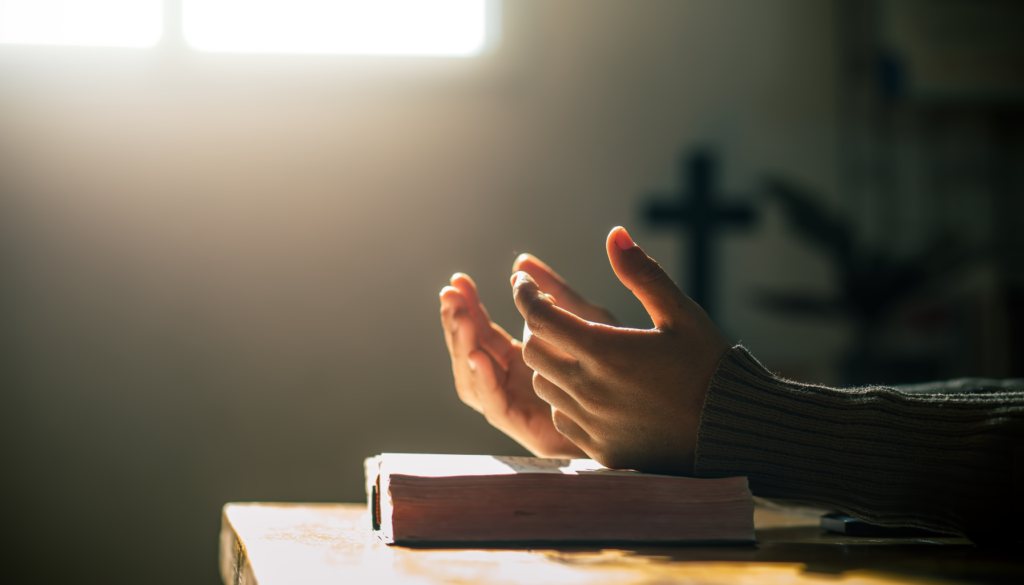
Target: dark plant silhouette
[(872, 284)]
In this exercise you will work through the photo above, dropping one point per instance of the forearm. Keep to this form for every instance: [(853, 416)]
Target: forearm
[(935, 460)]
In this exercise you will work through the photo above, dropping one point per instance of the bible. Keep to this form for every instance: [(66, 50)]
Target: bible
[(419, 498)]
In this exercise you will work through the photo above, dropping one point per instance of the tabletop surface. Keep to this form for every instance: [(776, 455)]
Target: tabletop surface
[(269, 543)]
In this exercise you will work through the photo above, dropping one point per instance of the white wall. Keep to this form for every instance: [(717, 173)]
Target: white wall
[(219, 273)]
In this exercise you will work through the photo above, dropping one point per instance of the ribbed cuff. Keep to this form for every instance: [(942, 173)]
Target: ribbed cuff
[(937, 460)]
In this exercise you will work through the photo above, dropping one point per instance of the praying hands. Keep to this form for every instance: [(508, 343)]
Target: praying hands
[(577, 383)]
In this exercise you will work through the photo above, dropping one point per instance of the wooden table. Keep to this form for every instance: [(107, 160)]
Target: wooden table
[(300, 544)]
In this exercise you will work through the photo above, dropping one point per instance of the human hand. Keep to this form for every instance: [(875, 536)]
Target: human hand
[(629, 398), (490, 374), (553, 284)]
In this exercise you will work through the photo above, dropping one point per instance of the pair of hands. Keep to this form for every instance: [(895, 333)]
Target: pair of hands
[(578, 385)]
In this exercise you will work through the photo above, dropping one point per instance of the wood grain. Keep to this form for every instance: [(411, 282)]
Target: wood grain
[(273, 544)]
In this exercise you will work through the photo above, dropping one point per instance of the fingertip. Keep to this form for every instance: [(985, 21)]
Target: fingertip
[(465, 285), (462, 281), (521, 278), (534, 266), (524, 257), (622, 238), (525, 290), (623, 252), (462, 324), (451, 298)]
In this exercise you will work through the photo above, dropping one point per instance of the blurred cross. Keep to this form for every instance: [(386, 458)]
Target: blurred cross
[(699, 214)]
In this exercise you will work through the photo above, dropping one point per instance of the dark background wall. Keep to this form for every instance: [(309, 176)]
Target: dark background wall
[(218, 273)]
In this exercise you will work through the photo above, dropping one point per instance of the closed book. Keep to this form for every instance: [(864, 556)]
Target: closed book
[(420, 498)]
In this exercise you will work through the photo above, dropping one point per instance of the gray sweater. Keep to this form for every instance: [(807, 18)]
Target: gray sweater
[(946, 456)]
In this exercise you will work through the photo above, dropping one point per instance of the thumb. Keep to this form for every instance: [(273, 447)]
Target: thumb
[(664, 302)]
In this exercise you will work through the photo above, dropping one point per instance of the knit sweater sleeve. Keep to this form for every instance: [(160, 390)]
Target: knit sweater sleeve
[(939, 457)]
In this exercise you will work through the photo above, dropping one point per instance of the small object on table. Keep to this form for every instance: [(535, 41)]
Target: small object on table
[(843, 524)]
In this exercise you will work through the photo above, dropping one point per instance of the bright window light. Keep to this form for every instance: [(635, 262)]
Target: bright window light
[(111, 23), (360, 27)]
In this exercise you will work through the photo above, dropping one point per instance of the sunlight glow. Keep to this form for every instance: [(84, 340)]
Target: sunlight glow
[(110, 23), (359, 27)]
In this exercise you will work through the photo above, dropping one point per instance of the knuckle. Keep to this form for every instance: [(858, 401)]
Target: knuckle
[(562, 422), (594, 401), (584, 392), (530, 353), (460, 321), (536, 318), (579, 384), (541, 387), (652, 273), (589, 403), (548, 391)]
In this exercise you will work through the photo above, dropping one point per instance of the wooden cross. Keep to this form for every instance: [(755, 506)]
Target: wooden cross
[(698, 213)]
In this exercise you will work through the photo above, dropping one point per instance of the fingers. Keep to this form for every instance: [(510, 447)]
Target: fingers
[(504, 395), (476, 374), (547, 279), (463, 344), (552, 283), (650, 283), (452, 302), (492, 399), (554, 364), (571, 430), (566, 414), (556, 397), (465, 285), (491, 337), (551, 323)]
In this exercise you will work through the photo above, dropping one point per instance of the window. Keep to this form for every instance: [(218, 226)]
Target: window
[(446, 28), (112, 23), (360, 27)]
